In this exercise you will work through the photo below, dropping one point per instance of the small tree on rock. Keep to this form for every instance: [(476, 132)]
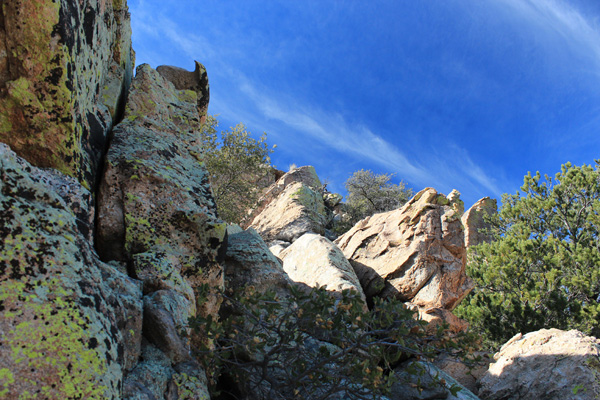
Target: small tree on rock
[(238, 165), (370, 193)]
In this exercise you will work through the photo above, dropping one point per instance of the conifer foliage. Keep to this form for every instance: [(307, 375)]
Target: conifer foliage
[(543, 268)]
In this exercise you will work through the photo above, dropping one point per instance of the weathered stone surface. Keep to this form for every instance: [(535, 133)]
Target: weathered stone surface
[(150, 378), (436, 316), (474, 223), (70, 324), (154, 196), (466, 375), (160, 271), (415, 253), (188, 383), (166, 315), (296, 210), (277, 246), (64, 67), (547, 364), (316, 261)]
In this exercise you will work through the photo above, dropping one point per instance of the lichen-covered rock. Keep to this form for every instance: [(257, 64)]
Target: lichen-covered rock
[(316, 261), (154, 196), (188, 383), (166, 315), (415, 253), (70, 324), (160, 271), (298, 209), (150, 378), (475, 224), (196, 81), (65, 67), (547, 364)]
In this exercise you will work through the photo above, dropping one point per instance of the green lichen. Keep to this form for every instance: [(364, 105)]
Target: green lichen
[(53, 345), (187, 96), (309, 199)]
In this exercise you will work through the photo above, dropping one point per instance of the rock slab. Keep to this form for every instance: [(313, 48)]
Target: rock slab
[(315, 261)]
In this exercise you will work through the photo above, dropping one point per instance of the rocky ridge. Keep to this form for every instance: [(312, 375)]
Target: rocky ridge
[(111, 240)]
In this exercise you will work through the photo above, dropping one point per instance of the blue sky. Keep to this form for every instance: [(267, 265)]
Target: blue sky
[(464, 94)]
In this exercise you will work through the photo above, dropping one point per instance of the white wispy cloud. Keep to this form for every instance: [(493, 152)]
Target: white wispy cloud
[(562, 19), (333, 130)]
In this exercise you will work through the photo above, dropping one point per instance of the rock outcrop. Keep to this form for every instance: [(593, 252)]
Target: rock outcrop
[(547, 364), (110, 242), (291, 207), (416, 253), (474, 221), (65, 67), (156, 214), (249, 263)]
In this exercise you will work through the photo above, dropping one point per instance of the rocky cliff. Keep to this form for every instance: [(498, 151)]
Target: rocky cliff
[(111, 243)]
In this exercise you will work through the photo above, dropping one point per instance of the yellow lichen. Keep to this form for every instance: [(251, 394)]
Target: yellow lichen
[(48, 339)]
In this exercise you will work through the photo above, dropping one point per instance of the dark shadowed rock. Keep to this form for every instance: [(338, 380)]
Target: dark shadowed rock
[(165, 317)]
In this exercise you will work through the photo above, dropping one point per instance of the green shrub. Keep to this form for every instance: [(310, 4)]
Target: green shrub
[(312, 345)]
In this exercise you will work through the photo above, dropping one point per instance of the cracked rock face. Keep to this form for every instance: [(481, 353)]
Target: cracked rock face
[(155, 206), (415, 253), (546, 364), (156, 214), (65, 67)]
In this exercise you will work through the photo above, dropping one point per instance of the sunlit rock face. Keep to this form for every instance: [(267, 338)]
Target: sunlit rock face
[(291, 207), (65, 67), (315, 261), (415, 253)]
